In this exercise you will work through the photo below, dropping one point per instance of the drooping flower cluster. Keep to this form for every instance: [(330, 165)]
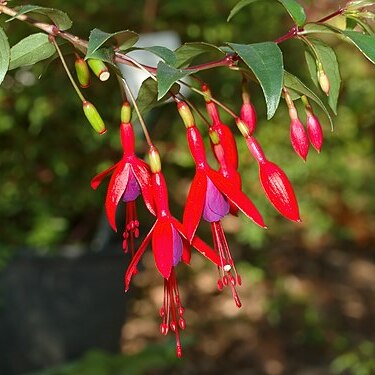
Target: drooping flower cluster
[(213, 194)]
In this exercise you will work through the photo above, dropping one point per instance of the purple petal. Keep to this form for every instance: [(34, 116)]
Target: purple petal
[(177, 247), (216, 206), (132, 189)]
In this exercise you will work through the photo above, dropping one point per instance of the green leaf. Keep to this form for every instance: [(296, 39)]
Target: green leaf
[(4, 54), (187, 52), (30, 50), (326, 55), (295, 10), (148, 96), (318, 28), (104, 54), (167, 76), (123, 39), (59, 18), (165, 53), (297, 89), (266, 61), (365, 43)]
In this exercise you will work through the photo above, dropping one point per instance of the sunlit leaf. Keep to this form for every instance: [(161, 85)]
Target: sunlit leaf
[(266, 61), (4, 54), (123, 40), (327, 58), (58, 17), (297, 89), (365, 43), (30, 50)]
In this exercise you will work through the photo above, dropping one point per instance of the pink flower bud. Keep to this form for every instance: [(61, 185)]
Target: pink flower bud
[(314, 131), (248, 115), (298, 137), (279, 190)]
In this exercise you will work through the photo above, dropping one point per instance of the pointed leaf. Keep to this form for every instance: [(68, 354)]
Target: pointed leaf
[(167, 76), (165, 53), (4, 54), (326, 55), (319, 28), (105, 54), (365, 43), (162, 246), (59, 18), (188, 51), (116, 188), (236, 196), (194, 203), (297, 89), (295, 10), (266, 61), (97, 180), (136, 258), (123, 40)]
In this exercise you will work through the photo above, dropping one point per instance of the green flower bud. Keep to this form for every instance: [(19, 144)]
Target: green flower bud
[(99, 69), (186, 115), (126, 112), (94, 118), (154, 159), (83, 72)]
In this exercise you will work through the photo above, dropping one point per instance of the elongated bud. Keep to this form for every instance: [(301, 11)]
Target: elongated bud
[(186, 115), (94, 118), (99, 69), (298, 137), (126, 112), (323, 79), (255, 149), (243, 127), (211, 106), (83, 72), (314, 129), (248, 115), (127, 138), (279, 190), (154, 159)]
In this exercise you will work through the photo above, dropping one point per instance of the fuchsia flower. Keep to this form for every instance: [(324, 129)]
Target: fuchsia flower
[(314, 129), (275, 183), (169, 246), (298, 138), (131, 177), (248, 115)]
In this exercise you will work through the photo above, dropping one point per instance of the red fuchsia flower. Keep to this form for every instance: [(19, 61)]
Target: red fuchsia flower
[(298, 135), (209, 197), (314, 129), (275, 183), (247, 112), (169, 246), (131, 177)]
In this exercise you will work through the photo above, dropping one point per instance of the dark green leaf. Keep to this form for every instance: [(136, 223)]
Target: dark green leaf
[(297, 89), (123, 40), (59, 18), (167, 76), (30, 50), (4, 54), (104, 54), (317, 28), (365, 43), (327, 57), (295, 10), (187, 52), (266, 61), (165, 53), (148, 96)]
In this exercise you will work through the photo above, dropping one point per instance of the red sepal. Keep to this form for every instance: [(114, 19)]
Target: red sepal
[(97, 180), (194, 203), (229, 144), (236, 196), (116, 188), (162, 246)]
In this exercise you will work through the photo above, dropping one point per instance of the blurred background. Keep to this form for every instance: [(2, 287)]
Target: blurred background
[(308, 289)]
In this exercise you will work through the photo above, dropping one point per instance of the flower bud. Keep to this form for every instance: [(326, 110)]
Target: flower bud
[(154, 159), (248, 115), (94, 118), (323, 80), (126, 112), (314, 131), (299, 138), (186, 115), (279, 190), (243, 127), (82, 71), (99, 69)]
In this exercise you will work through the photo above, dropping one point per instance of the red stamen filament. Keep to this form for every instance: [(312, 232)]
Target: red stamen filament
[(226, 277), (131, 227), (172, 311)]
